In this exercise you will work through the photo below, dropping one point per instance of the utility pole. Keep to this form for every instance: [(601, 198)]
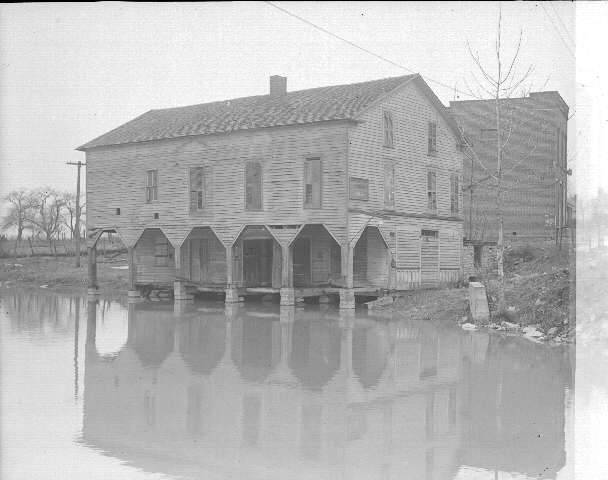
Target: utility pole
[(77, 226)]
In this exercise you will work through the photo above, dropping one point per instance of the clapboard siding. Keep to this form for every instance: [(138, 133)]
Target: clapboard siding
[(116, 179), (411, 111), (408, 247), (429, 261), (149, 269), (450, 245)]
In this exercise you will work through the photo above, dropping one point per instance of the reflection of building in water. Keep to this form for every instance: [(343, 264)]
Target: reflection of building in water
[(252, 394)]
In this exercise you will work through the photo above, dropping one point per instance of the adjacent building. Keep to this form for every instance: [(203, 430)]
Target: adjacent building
[(535, 168), (343, 189)]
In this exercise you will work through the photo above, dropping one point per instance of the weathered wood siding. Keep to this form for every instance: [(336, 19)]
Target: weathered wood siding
[(212, 269), (150, 267), (402, 223), (116, 179), (411, 111), (534, 165)]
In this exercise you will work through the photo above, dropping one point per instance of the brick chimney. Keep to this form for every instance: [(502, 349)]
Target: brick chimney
[(278, 86)]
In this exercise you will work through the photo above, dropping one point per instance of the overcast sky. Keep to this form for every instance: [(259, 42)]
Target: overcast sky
[(70, 72)]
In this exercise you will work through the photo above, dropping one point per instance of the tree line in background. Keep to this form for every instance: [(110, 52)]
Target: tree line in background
[(42, 214)]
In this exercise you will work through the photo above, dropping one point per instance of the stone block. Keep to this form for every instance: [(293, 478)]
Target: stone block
[(478, 302)]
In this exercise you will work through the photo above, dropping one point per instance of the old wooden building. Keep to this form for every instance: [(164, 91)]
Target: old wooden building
[(535, 168), (334, 190)]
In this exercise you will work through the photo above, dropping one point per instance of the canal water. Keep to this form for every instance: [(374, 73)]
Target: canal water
[(111, 390)]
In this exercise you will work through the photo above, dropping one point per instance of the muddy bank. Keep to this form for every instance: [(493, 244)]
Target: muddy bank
[(539, 297), (60, 274)]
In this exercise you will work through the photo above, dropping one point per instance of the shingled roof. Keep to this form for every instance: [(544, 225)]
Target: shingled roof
[(340, 102)]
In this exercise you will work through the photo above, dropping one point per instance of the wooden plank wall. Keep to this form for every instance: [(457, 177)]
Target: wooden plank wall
[(147, 269), (116, 179)]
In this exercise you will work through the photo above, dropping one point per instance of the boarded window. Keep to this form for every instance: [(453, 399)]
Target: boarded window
[(389, 184), (359, 188), (161, 252), (454, 193), (312, 183), (197, 189), (253, 186), (431, 190), (388, 128), (432, 137), (151, 185)]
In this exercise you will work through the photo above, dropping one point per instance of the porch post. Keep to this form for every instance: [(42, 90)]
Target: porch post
[(92, 267), (232, 295), (133, 293), (179, 285), (347, 294), (287, 290)]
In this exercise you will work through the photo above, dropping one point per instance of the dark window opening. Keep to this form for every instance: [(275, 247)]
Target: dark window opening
[(118, 211)]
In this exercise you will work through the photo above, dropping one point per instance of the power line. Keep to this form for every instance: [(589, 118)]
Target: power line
[(561, 22), (352, 44), (558, 32)]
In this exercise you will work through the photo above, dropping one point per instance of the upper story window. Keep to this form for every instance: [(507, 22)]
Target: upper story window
[(253, 186), (558, 153), (389, 184), (454, 193), (197, 189), (312, 183), (359, 188), (387, 124), (432, 138), (151, 185), (431, 191)]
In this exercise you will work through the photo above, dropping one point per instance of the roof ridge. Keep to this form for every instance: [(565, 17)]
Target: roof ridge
[(266, 95)]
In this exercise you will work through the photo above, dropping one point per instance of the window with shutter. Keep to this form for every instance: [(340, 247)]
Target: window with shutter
[(388, 128), (151, 186), (197, 189), (312, 183), (431, 191), (359, 188), (432, 137), (253, 186), (389, 185)]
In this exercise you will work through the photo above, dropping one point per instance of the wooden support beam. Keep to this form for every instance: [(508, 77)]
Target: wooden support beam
[(92, 263), (132, 268), (287, 267), (177, 258), (229, 266), (347, 265)]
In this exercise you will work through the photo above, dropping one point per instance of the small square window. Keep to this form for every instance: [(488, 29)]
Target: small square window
[(156, 216), (118, 211)]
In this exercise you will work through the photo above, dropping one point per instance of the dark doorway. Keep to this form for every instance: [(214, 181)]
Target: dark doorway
[(257, 262), (301, 262)]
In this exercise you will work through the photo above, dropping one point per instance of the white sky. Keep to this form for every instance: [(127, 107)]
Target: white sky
[(70, 72)]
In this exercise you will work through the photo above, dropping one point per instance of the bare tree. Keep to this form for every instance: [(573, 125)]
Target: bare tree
[(70, 213), (20, 205), (46, 213), (499, 84)]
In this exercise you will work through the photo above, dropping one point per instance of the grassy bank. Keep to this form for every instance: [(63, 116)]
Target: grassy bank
[(60, 274)]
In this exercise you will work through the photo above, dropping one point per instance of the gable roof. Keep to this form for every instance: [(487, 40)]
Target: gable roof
[(339, 102)]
